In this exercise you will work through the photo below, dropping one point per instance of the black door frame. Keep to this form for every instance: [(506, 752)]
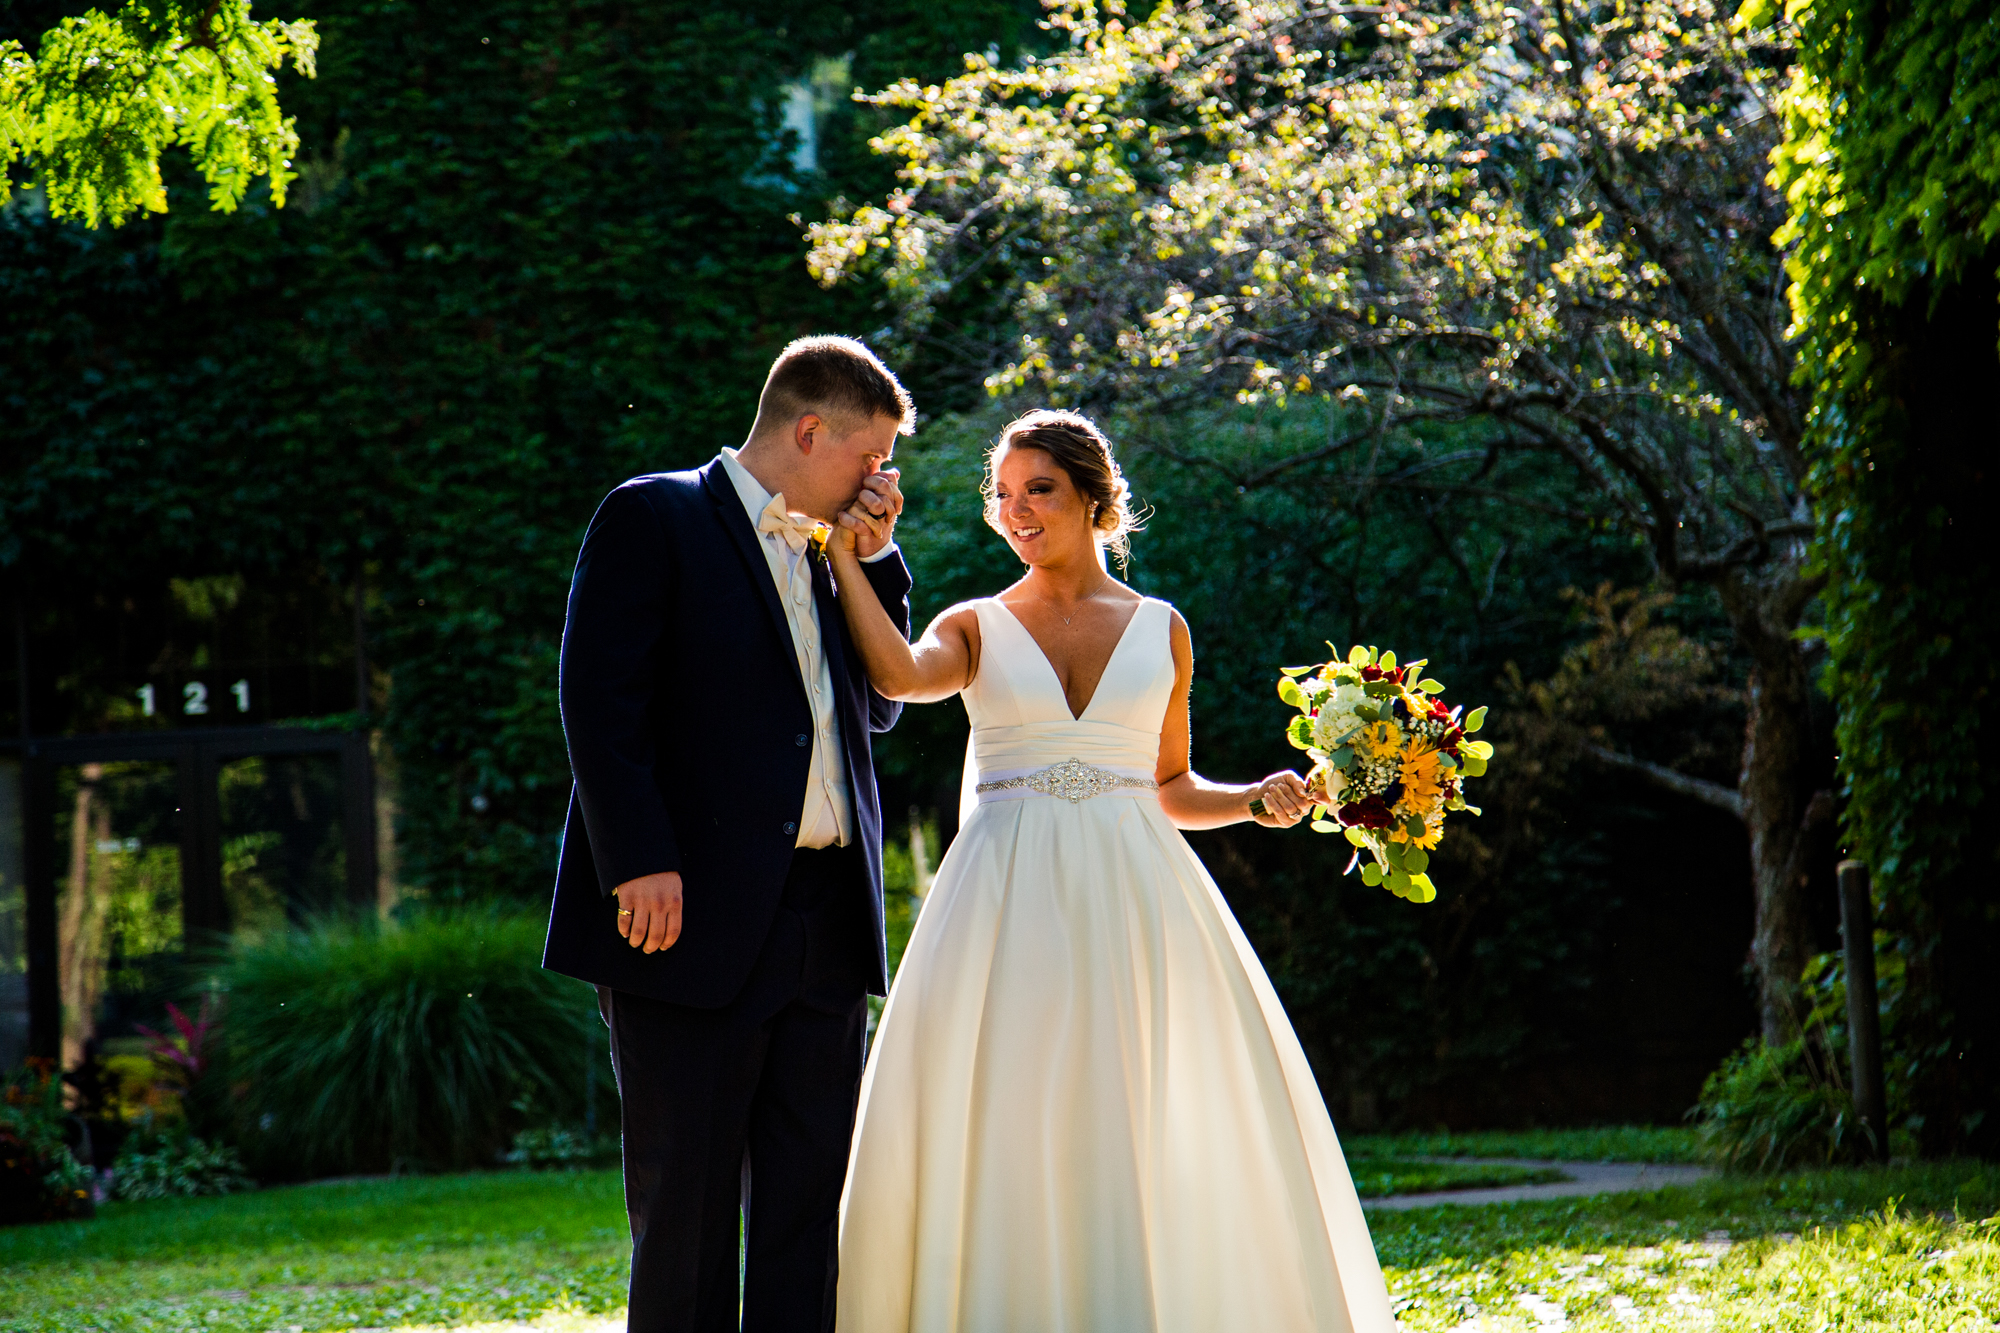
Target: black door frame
[(197, 754)]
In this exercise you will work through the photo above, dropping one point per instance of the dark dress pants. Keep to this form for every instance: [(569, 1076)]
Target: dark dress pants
[(752, 1106)]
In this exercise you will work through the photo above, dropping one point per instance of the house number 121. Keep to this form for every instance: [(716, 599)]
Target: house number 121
[(194, 698)]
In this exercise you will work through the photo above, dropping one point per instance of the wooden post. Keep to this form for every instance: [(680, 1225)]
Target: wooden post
[(1864, 1022)]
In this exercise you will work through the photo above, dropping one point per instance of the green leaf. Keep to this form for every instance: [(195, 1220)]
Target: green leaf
[(1299, 731), (1299, 671), (1421, 889), (1289, 691), (1429, 686), (1387, 661), (1324, 826), (1378, 689), (1478, 749), (1414, 826), (1416, 860), (1475, 719), (1356, 656), (1395, 853), (1399, 883), (1367, 713), (1359, 837), (1342, 758), (1371, 875), (1474, 766)]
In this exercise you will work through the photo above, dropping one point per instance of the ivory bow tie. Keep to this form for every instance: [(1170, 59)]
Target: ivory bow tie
[(796, 529)]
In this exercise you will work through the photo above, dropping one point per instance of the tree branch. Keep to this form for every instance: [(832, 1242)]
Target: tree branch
[(1708, 793)]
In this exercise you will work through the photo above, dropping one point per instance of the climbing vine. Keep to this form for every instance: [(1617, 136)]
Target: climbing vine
[(1890, 165)]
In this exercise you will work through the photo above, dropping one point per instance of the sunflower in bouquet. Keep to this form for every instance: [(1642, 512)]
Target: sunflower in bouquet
[(1390, 760)]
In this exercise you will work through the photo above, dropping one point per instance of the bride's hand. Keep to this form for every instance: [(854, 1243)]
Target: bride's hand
[(1286, 800), (855, 528)]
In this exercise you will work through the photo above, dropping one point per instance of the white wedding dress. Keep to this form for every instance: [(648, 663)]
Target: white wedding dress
[(1085, 1111)]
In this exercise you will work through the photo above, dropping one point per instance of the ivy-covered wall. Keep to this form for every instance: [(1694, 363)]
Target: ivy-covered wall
[(1891, 165)]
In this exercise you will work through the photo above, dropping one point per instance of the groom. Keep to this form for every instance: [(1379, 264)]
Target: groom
[(721, 875)]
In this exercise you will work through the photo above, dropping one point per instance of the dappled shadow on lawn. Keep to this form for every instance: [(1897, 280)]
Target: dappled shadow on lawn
[(439, 1250), (1892, 1248)]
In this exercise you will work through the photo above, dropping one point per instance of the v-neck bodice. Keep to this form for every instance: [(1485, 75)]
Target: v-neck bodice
[(1021, 719)]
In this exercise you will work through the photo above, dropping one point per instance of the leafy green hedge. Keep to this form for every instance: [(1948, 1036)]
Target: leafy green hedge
[(1891, 165), (363, 1048)]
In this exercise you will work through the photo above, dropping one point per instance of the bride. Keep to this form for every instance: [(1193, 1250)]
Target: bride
[(1085, 1111)]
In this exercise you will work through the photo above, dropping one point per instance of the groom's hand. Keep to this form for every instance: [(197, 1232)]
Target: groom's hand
[(649, 910), (872, 516)]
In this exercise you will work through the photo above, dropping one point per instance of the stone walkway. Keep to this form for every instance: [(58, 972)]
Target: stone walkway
[(1585, 1178)]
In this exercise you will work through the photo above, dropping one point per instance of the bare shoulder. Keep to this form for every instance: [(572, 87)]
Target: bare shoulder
[(1180, 638), (961, 621)]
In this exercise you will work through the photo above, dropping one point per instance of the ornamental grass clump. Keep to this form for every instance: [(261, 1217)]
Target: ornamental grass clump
[(427, 1044)]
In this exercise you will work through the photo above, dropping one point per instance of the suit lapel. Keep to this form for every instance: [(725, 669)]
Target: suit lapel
[(832, 632), (735, 522)]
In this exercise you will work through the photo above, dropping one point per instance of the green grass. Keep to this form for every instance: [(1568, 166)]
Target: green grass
[(364, 1254), (1614, 1143), (1867, 1248), (1379, 1177), (1856, 1249)]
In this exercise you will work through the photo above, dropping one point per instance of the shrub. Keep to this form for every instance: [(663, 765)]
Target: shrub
[(369, 1048), (40, 1178), (176, 1166), (1770, 1108), (553, 1147)]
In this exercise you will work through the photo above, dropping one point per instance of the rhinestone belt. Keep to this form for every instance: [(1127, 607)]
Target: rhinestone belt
[(1072, 779)]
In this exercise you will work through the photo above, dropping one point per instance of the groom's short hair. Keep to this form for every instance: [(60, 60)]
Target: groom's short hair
[(838, 379)]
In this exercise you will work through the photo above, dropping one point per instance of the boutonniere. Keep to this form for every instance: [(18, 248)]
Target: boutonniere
[(822, 532)]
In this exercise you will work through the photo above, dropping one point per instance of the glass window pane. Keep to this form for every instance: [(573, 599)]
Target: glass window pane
[(118, 903), (283, 856)]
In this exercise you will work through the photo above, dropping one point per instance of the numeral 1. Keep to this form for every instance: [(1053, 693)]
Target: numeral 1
[(146, 701), (241, 689)]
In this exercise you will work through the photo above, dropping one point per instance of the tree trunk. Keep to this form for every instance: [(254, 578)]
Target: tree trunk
[(1773, 785)]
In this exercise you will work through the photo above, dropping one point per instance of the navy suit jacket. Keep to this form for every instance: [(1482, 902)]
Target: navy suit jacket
[(690, 736)]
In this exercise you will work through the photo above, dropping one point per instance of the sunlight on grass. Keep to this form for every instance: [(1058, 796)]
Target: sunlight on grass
[(439, 1250), (1857, 1249), (1889, 1271)]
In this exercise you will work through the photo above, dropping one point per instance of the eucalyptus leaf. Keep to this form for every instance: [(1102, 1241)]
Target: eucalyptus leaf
[(1324, 826), (1342, 758), (1429, 686), (1474, 766), (1475, 719), (1359, 837), (1387, 661), (1371, 875), (1416, 860)]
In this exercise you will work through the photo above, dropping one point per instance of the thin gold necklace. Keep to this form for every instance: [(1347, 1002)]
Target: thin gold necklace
[(1092, 596)]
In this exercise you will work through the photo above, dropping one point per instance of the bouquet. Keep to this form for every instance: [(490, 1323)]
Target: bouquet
[(1389, 760)]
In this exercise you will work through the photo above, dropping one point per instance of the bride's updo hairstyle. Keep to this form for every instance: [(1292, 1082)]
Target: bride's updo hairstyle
[(1081, 451)]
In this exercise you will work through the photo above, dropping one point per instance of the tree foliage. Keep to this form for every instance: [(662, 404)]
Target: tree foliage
[(1546, 222), (106, 94), (1891, 169)]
